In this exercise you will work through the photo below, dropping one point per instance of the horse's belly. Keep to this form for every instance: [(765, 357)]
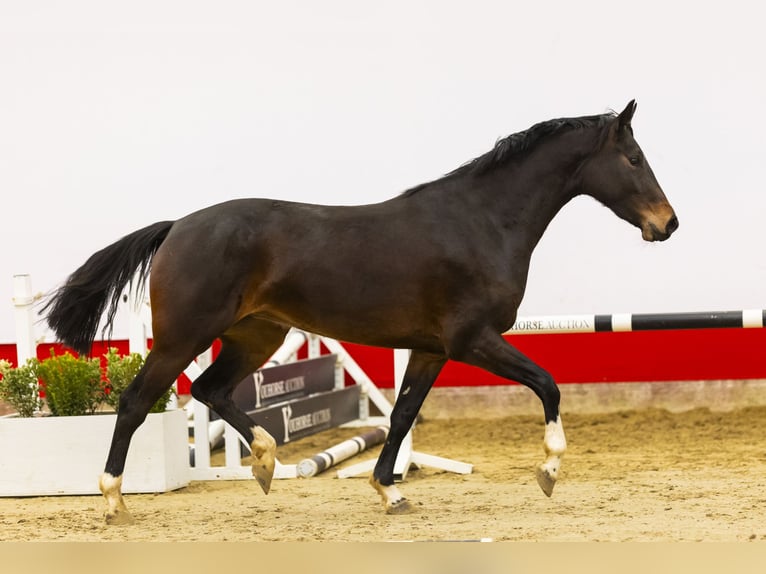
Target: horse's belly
[(361, 322)]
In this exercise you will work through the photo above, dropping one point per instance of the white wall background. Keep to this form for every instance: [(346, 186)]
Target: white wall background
[(116, 115)]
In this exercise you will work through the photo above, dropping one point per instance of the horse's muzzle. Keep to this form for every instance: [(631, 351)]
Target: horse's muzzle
[(656, 234)]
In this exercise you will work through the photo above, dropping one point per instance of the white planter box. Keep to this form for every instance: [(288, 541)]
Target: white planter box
[(65, 455)]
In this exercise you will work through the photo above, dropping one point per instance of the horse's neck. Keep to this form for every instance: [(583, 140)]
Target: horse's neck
[(528, 194), (518, 199)]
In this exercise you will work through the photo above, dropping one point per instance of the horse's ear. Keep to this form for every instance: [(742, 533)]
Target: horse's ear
[(626, 115)]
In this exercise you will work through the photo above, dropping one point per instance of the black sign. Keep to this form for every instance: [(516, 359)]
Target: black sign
[(303, 417), (273, 385)]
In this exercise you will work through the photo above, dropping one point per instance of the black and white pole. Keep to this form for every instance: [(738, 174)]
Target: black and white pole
[(620, 322), (328, 458)]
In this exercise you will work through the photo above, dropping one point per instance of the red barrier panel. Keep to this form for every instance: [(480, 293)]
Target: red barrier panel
[(638, 356), (673, 355)]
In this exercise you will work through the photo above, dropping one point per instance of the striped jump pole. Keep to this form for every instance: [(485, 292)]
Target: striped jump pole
[(320, 462), (620, 322)]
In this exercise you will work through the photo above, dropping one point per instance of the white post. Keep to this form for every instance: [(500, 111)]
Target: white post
[(314, 346), (286, 353), (23, 299), (232, 438), (404, 458), (136, 324)]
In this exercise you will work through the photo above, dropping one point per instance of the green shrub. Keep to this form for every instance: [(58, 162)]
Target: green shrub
[(120, 371), (72, 385), (19, 387)]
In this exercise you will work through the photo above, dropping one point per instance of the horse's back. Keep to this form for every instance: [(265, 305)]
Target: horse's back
[(359, 273), (287, 235)]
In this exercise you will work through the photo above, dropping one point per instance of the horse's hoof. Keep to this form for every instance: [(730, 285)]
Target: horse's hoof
[(263, 473), (119, 518), (264, 449), (401, 506), (393, 501), (546, 479)]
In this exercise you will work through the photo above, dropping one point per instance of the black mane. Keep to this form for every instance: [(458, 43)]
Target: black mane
[(519, 143)]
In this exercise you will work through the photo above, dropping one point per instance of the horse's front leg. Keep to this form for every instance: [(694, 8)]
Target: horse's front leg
[(421, 372), (490, 351)]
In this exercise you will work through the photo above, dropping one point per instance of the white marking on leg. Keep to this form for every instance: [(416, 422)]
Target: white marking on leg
[(554, 444), (391, 495), (263, 442), (116, 512), (393, 501)]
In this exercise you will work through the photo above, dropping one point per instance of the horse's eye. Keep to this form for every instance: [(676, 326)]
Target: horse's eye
[(634, 160)]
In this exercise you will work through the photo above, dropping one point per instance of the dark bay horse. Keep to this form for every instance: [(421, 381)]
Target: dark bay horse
[(440, 269)]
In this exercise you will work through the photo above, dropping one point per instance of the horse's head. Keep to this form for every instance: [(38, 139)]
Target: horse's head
[(618, 175)]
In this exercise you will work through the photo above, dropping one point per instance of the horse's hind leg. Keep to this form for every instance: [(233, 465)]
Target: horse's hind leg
[(245, 347), (421, 372), (153, 380)]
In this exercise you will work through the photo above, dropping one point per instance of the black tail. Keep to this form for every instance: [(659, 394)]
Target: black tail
[(74, 310)]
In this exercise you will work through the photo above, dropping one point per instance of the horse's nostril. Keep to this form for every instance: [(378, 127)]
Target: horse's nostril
[(672, 225)]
